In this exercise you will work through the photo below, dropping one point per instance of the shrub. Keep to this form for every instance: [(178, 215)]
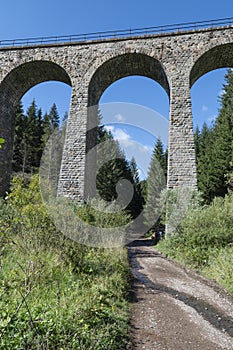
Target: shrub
[(54, 292), (203, 228), (220, 267)]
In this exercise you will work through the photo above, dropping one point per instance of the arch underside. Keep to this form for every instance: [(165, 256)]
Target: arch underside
[(29, 74), (218, 57), (123, 66), (110, 71), (12, 88)]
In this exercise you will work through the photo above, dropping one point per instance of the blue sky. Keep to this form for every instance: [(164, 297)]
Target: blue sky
[(22, 19)]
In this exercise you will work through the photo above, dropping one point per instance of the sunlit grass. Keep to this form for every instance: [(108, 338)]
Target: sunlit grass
[(56, 293)]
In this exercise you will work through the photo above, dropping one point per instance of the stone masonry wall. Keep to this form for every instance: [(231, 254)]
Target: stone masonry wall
[(175, 61)]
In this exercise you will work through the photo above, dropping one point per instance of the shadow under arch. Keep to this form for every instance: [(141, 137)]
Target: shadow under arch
[(220, 56), (18, 81)]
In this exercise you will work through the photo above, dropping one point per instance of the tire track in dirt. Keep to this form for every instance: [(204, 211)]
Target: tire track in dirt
[(174, 308)]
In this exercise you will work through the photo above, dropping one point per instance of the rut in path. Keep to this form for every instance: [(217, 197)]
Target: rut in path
[(174, 308)]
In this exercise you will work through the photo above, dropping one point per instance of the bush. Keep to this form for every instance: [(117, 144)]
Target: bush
[(220, 267), (203, 237), (54, 292)]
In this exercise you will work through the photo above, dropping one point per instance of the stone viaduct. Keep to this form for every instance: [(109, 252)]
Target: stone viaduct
[(175, 60)]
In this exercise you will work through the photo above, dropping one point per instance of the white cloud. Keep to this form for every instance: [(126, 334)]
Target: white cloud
[(204, 108), (119, 118), (123, 137), (120, 135), (146, 148), (142, 153)]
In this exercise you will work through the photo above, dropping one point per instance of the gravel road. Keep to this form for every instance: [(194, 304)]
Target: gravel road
[(174, 308)]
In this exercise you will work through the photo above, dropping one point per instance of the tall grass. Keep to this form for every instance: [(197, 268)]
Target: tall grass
[(54, 292)]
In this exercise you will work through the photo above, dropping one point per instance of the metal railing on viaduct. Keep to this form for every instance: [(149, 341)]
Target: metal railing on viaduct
[(117, 34)]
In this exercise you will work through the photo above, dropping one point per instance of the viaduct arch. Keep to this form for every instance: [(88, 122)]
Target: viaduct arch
[(122, 66), (16, 83), (109, 71), (175, 60), (219, 56)]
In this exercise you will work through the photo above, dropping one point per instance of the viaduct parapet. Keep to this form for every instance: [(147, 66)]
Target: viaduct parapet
[(174, 60)]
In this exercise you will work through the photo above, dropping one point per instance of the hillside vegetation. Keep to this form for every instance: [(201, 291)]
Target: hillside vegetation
[(204, 238), (204, 241), (56, 293), (59, 294)]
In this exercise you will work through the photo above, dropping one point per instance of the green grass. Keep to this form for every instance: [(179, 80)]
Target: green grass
[(220, 268), (56, 293)]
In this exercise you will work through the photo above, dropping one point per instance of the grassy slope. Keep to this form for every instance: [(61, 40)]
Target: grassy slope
[(55, 293), (204, 241)]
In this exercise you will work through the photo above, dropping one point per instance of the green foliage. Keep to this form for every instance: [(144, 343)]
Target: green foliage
[(1, 141), (54, 292), (27, 139), (137, 202), (229, 177), (176, 202), (220, 267), (143, 186), (204, 234), (99, 214), (156, 182), (32, 131), (214, 147), (113, 167), (50, 123), (161, 156), (205, 162)]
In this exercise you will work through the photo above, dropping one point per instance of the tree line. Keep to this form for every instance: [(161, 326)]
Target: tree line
[(214, 155), (32, 130), (214, 148)]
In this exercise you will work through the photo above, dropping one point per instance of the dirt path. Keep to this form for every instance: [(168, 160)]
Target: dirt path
[(174, 308)]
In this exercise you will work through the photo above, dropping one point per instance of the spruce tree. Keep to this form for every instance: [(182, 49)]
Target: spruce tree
[(27, 139), (156, 182), (204, 155), (109, 171), (19, 134), (47, 130), (158, 152), (54, 117), (38, 143), (143, 185), (229, 178), (50, 123), (223, 136), (33, 134), (214, 147), (137, 202), (135, 172), (113, 167)]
